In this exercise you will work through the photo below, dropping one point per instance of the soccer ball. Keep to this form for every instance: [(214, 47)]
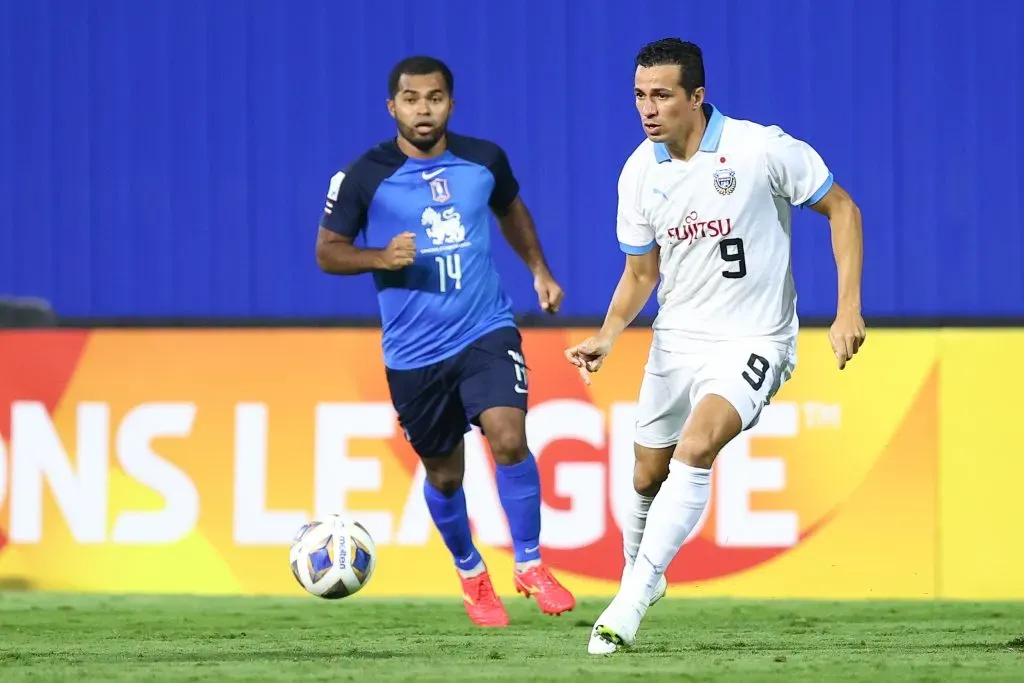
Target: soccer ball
[(333, 556)]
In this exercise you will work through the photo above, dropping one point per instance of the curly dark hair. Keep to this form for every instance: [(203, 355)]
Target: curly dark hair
[(420, 65)]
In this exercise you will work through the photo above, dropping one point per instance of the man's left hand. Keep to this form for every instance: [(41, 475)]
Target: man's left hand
[(846, 335), (549, 292)]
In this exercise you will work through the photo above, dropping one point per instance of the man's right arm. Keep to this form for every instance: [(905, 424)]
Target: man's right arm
[(639, 278), (635, 287), (344, 217), (335, 254), (637, 240)]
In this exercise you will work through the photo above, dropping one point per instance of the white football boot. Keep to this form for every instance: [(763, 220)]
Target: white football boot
[(616, 628)]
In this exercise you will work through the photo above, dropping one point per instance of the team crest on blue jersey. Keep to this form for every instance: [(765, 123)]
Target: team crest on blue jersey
[(725, 181), (444, 226), (439, 190)]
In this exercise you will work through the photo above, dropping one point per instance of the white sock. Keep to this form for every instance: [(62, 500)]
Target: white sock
[(523, 566), (476, 570), (675, 511), (633, 529)]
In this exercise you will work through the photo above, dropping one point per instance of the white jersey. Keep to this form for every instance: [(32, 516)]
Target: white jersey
[(722, 220)]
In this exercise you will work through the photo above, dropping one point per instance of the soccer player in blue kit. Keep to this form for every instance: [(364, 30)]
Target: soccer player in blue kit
[(453, 354)]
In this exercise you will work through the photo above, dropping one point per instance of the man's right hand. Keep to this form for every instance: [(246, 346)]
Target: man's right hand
[(400, 252), (589, 355)]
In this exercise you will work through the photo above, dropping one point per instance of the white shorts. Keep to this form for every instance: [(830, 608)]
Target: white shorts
[(747, 373)]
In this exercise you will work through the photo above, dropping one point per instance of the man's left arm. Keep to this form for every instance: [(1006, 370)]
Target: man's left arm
[(519, 230), (797, 172)]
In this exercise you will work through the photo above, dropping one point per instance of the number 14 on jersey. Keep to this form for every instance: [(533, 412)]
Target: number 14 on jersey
[(449, 269)]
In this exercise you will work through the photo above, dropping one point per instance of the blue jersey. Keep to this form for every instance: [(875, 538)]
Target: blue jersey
[(451, 294)]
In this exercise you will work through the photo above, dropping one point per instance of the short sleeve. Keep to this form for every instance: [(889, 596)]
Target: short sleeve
[(506, 187), (636, 236), (795, 170), (346, 207)]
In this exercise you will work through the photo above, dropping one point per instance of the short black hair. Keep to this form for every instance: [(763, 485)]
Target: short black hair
[(687, 56), (420, 65)]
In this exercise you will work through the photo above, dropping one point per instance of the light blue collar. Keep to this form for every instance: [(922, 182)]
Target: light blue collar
[(708, 143)]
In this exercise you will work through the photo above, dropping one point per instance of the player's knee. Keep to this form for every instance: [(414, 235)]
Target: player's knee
[(697, 451), (446, 482), (648, 477), (650, 468), (445, 473), (508, 445)]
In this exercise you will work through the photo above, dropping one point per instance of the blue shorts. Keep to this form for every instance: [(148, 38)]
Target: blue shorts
[(438, 403)]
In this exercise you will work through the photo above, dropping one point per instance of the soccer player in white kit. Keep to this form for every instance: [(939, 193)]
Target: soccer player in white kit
[(704, 206)]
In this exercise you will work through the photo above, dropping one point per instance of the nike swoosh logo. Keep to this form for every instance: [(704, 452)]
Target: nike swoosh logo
[(531, 550), (432, 174)]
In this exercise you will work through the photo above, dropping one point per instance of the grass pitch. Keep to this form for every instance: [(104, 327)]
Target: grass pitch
[(114, 638)]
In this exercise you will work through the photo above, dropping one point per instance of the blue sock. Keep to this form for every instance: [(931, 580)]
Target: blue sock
[(452, 520), (519, 491)]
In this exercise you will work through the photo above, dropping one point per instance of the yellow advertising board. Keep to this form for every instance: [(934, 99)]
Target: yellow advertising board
[(185, 460)]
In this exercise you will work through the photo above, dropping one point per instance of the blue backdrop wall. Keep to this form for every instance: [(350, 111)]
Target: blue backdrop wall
[(162, 157)]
